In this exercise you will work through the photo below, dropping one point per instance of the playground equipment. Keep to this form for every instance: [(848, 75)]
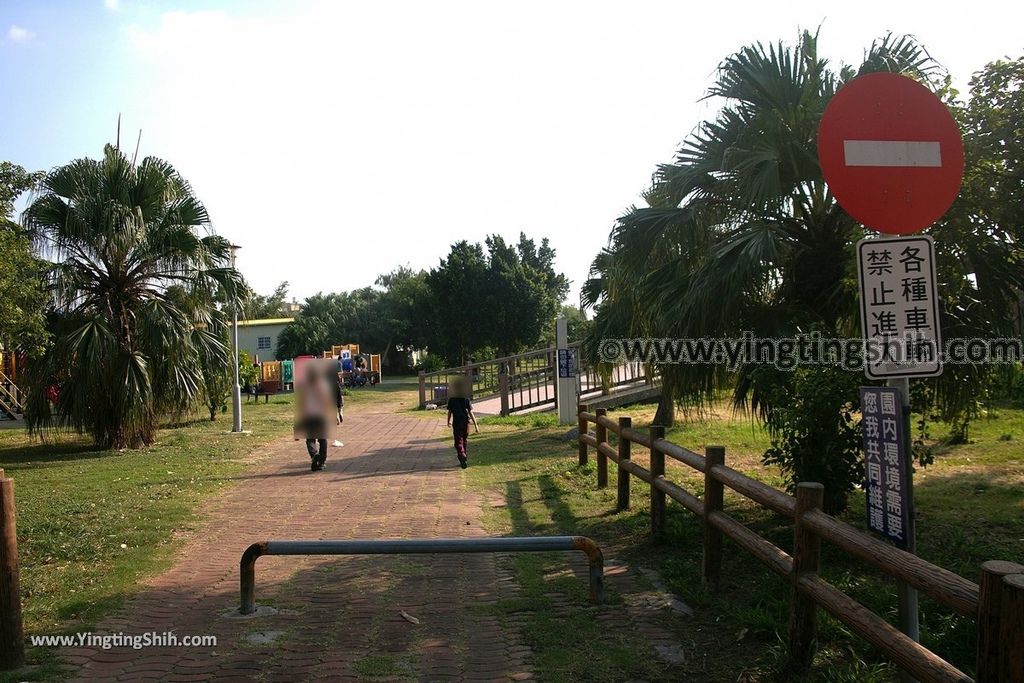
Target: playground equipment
[(358, 369), (247, 565), (12, 400), (270, 377)]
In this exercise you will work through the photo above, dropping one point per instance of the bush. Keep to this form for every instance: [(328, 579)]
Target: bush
[(430, 362), (814, 434)]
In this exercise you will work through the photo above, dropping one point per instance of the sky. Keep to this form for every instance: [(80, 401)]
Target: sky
[(335, 141)]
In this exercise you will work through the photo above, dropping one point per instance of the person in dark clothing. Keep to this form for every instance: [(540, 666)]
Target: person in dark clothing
[(460, 414), (313, 403), (339, 396)]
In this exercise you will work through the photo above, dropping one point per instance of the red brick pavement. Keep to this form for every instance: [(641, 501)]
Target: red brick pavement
[(337, 618)]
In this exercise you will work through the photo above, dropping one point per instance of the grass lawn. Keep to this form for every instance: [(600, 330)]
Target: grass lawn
[(93, 524), (970, 505)]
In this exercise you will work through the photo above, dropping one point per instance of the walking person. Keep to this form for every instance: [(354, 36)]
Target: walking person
[(339, 396), (314, 403), (460, 414)]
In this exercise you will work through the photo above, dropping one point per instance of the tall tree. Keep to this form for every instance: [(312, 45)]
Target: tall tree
[(22, 298), (403, 310), (259, 306), (741, 234), (116, 236), (457, 308)]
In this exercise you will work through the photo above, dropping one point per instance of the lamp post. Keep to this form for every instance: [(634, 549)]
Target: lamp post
[(236, 392)]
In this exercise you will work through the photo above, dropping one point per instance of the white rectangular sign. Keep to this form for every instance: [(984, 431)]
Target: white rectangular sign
[(897, 153), (899, 307)]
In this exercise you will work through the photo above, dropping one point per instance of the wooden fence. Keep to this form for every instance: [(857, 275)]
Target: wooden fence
[(997, 605)]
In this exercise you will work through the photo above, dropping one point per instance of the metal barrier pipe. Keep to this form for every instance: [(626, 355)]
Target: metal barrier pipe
[(247, 566)]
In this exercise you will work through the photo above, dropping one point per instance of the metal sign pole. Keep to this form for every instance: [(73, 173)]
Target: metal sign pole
[(908, 613)]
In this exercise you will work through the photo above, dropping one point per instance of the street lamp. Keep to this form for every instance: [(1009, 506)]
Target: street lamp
[(236, 393)]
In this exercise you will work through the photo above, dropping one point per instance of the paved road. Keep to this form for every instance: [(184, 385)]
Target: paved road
[(338, 618)]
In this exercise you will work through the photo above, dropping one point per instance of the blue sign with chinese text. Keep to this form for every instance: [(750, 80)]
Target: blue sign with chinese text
[(886, 463), (566, 363)]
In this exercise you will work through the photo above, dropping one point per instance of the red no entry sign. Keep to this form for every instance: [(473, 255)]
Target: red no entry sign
[(891, 153)]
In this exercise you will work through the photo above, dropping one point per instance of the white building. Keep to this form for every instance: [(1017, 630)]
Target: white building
[(259, 337)]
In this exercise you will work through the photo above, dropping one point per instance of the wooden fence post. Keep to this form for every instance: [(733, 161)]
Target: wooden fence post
[(12, 637), (622, 499), (657, 496), (582, 429), (803, 630), (990, 592), (503, 390), (713, 500), (423, 389), (602, 459), (1011, 629)]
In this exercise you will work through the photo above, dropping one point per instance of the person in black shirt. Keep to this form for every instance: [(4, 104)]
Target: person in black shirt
[(339, 396), (460, 413)]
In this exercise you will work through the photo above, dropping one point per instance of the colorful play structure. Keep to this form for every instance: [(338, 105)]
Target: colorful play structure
[(12, 400), (357, 369)]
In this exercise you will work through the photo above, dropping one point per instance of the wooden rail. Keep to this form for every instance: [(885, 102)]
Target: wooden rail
[(997, 605)]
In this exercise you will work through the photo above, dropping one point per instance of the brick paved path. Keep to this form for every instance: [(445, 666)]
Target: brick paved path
[(338, 618)]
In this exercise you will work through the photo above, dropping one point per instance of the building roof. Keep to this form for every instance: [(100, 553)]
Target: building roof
[(265, 321)]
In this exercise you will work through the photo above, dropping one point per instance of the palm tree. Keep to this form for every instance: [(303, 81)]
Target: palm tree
[(127, 246), (741, 233)]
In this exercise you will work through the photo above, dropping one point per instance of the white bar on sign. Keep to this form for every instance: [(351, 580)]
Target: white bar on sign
[(892, 153)]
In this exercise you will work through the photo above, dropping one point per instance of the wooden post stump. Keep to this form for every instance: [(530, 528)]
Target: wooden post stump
[(713, 500), (622, 499), (803, 630), (12, 637), (657, 496), (582, 431)]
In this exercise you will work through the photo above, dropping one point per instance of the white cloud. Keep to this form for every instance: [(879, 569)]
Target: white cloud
[(111, 5), (19, 34)]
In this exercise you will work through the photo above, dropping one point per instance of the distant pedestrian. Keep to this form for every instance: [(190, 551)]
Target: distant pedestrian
[(460, 414), (314, 403), (339, 396)]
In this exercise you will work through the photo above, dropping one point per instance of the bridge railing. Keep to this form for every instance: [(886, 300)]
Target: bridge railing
[(996, 606), (527, 380)]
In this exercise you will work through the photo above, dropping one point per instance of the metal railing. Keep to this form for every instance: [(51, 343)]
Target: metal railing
[(528, 380), (997, 605), (433, 546)]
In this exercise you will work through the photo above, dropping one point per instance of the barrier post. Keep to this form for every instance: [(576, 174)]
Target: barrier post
[(806, 560), (602, 460), (622, 499), (713, 501), (582, 431), (12, 637), (657, 495)]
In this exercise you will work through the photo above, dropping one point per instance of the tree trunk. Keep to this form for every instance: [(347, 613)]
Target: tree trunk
[(666, 415)]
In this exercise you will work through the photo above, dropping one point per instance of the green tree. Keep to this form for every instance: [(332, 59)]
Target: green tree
[(208, 311), (259, 306), (116, 235), (22, 298), (501, 300), (403, 311), (457, 311), (578, 327), (741, 234), (522, 294), (248, 375), (980, 242)]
